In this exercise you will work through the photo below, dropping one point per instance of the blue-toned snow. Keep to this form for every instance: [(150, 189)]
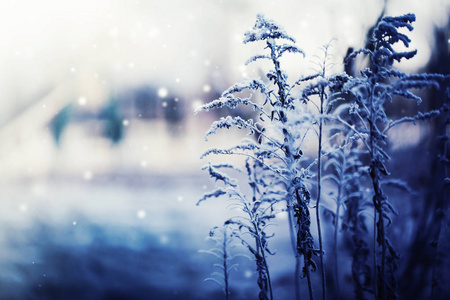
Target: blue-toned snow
[(118, 237)]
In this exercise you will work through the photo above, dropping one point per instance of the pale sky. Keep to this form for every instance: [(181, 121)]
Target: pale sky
[(177, 44)]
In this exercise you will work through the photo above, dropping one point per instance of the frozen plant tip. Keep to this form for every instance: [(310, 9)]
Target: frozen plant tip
[(222, 238)]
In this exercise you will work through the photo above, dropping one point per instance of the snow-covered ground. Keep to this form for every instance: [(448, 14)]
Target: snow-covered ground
[(119, 236), (91, 220)]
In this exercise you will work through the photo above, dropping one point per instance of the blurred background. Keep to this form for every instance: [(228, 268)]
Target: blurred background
[(100, 147)]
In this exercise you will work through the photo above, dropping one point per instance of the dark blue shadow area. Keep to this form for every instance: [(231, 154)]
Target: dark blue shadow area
[(102, 269)]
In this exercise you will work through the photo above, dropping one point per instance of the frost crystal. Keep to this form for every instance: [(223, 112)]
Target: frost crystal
[(266, 29)]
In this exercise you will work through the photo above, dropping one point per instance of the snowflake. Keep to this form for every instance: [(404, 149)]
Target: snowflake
[(163, 92), (87, 175), (141, 214), (82, 101), (206, 88)]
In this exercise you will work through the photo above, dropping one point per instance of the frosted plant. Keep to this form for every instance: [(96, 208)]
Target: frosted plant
[(346, 172), (378, 85), (258, 211), (352, 142), (280, 130), (254, 216), (439, 265), (324, 93), (223, 239)]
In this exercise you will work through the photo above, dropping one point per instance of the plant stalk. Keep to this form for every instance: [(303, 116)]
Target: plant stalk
[(225, 263), (336, 229), (282, 98), (378, 199), (319, 189)]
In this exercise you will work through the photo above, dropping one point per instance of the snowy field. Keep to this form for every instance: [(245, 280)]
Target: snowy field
[(87, 216), (117, 237)]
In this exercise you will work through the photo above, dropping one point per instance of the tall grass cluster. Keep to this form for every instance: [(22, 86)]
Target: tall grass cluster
[(336, 197)]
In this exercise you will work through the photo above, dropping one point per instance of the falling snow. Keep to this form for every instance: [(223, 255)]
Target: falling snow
[(82, 101), (100, 145), (206, 88), (87, 175), (162, 92), (23, 207), (141, 214)]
